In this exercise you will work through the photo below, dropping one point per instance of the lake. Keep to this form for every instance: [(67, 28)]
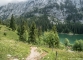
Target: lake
[(72, 38)]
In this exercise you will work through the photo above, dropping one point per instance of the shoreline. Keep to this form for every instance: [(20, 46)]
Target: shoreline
[(70, 33)]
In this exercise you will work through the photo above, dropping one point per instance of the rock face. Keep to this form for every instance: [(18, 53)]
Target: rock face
[(60, 9)]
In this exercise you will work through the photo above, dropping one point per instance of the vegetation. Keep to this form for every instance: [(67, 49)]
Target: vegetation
[(68, 27), (12, 23), (42, 21), (22, 31), (10, 47), (32, 34), (14, 42), (78, 45), (51, 39), (61, 54), (66, 42)]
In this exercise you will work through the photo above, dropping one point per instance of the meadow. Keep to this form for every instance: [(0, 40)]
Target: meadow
[(62, 54), (10, 46)]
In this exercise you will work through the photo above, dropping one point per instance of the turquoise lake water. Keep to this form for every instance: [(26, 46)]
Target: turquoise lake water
[(72, 38)]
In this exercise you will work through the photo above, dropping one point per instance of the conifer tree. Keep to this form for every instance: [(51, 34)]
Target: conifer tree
[(32, 34), (21, 31), (54, 29), (12, 23), (39, 31)]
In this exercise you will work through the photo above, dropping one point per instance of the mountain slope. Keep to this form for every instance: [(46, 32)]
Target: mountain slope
[(60, 9)]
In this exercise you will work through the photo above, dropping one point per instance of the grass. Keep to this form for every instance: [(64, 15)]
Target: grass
[(9, 33), (10, 46), (61, 54), (14, 48)]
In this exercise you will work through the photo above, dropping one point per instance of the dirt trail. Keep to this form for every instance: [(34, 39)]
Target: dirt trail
[(34, 55)]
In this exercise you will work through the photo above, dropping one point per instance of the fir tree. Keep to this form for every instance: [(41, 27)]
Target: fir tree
[(32, 34), (39, 31), (21, 31), (12, 23), (54, 29)]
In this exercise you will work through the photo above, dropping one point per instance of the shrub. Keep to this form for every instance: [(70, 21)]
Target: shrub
[(78, 45), (5, 34), (9, 29), (51, 39), (0, 27), (66, 42), (61, 46)]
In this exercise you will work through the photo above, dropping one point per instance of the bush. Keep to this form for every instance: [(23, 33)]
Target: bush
[(61, 46), (66, 42), (9, 29), (0, 27), (5, 34), (51, 39), (78, 45)]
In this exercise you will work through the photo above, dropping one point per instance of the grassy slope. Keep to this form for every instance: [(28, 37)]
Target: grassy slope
[(61, 54), (9, 45)]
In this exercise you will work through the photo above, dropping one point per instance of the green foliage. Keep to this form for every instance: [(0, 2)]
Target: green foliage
[(78, 45), (51, 39), (0, 27), (22, 31), (66, 42), (41, 21), (5, 34), (32, 33), (9, 45), (39, 32), (0, 22), (61, 46), (15, 49), (12, 23), (68, 27), (54, 29), (61, 54)]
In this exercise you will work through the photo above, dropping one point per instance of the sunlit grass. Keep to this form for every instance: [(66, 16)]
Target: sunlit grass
[(61, 54), (14, 48), (10, 46)]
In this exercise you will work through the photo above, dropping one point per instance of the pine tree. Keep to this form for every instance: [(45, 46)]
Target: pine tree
[(54, 29), (78, 45), (12, 23), (32, 34), (21, 31), (39, 31)]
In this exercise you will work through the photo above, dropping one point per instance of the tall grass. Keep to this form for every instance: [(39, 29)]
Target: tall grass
[(62, 55), (10, 46), (14, 48)]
